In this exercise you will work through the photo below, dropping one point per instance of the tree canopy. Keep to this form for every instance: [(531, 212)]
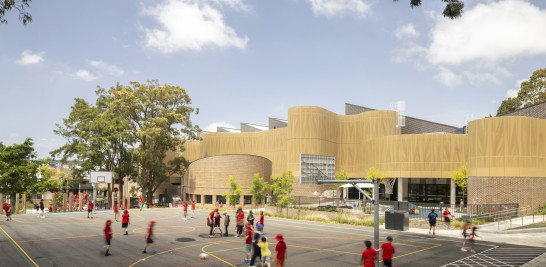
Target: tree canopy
[(461, 178), (21, 6), (18, 167), (532, 91), (453, 9), (281, 187), (259, 188), (235, 191)]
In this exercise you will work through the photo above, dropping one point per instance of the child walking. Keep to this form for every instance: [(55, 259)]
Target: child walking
[(262, 221), (149, 240), (266, 253), (280, 251), (116, 212), (256, 250), (226, 223), (185, 205), (472, 238), (125, 221), (388, 251), (193, 209), (447, 219), (108, 236), (90, 209), (368, 255)]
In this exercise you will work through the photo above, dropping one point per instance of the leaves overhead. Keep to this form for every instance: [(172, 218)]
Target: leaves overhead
[(18, 167), (21, 6), (453, 9)]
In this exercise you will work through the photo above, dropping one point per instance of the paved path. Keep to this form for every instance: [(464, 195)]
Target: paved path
[(70, 239)]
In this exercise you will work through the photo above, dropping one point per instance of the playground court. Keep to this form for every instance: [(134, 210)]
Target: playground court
[(70, 239)]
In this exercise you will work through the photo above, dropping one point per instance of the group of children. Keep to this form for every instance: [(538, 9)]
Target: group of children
[(256, 246), (124, 225), (369, 254)]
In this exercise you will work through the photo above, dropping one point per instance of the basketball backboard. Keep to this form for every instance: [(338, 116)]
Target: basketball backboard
[(101, 177)]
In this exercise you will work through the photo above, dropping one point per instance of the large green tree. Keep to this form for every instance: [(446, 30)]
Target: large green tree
[(281, 187), (21, 6), (159, 120), (99, 138), (47, 182), (235, 191), (259, 188), (18, 168), (531, 92), (453, 9)]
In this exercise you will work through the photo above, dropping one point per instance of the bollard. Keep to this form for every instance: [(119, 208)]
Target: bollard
[(70, 201), (16, 203)]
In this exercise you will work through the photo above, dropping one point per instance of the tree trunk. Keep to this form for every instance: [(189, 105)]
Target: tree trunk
[(109, 195), (121, 196), (149, 196)]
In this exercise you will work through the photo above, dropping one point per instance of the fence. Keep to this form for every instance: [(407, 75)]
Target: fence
[(468, 212)]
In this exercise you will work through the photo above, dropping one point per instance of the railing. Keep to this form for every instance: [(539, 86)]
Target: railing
[(421, 210)]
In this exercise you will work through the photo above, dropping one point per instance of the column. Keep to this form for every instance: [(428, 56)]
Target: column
[(214, 200), (70, 201), (80, 202), (242, 200), (453, 194), (64, 202), (401, 185), (202, 200), (24, 203), (54, 195), (2, 202), (16, 203)]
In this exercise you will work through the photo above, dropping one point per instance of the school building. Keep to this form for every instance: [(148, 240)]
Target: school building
[(505, 156)]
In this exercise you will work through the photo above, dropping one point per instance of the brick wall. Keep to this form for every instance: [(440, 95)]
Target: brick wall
[(535, 111), (527, 192)]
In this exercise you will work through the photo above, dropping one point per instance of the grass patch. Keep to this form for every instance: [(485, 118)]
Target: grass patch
[(535, 225), (340, 219)]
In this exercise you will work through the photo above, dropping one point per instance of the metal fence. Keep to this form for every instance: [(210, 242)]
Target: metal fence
[(465, 212)]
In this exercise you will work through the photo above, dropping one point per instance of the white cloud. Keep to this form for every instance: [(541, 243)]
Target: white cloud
[(192, 25), (448, 77), (406, 31), (489, 32), (212, 127), (110, 68), (331, 8), (86, 75), (409, 51), (511, 93), (27, 58)]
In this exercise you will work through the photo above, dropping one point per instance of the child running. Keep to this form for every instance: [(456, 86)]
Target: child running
[(465, 235), (262, 220), (248, 243), (42, 208), (368, 255), (149, 240), (108, 236), (185, 205), (432, 221), (125, 221), (280, 251), (472, 238), (447, 220), (266, 253), (388, 251)]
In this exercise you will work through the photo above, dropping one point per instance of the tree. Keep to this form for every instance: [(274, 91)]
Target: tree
[(20, 5), (461, 179), (532, 91), (259, 188), (159, 119), (453, 10), (99, 138), (18, 167), (281, 187), (47, 182), (235, 191)]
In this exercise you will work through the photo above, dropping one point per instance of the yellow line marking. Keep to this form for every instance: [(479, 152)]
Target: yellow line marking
[(22, 250), (203, 249), (439, 245)]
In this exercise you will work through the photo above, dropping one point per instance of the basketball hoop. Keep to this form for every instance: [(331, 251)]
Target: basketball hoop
[(389, 184)]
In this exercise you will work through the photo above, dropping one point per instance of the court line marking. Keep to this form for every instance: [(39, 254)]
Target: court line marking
[(203, 249), (20, 249)]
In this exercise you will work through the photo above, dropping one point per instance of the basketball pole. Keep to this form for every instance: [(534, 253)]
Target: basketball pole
[(94, 198)]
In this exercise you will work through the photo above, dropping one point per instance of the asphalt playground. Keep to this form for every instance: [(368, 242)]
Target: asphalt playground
[(70, 239)]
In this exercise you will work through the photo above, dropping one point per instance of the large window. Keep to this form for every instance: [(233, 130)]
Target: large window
[(316, 167)]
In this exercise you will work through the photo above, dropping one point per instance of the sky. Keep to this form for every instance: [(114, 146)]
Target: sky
[(247, 60)]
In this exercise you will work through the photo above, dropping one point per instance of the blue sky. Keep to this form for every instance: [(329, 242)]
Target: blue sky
[(247, 60)]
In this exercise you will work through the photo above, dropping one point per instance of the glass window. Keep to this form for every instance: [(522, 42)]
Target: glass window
[(208, 199), (221, 199), (198, 198), (315, 167), (248, 200)]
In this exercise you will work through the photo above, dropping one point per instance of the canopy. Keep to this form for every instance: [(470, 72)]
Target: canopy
[(361, 185)]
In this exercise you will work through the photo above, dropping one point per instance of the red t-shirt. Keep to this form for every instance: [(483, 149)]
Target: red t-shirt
[(125, 218), (139, 200), (192, 206), (446, 214), (240, 216), (217, 219), (116, 208), (150, 232), (6, 208), (90, 206), (262, 219), (185, 205), (249, 238), (107, 232), (369, 257), (388, 250), (281, 250)]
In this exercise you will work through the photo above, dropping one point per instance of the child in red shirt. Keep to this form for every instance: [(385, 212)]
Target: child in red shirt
[(149, 239), (388, 250), (262, 221), (240, 221), (248, 242), (280, 250), (185, 205), (125, 221), (447, 220), (116, 212), (108, 236), (217, 217), (7, 209), (90, 209), (193, 209), (368, 255)]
